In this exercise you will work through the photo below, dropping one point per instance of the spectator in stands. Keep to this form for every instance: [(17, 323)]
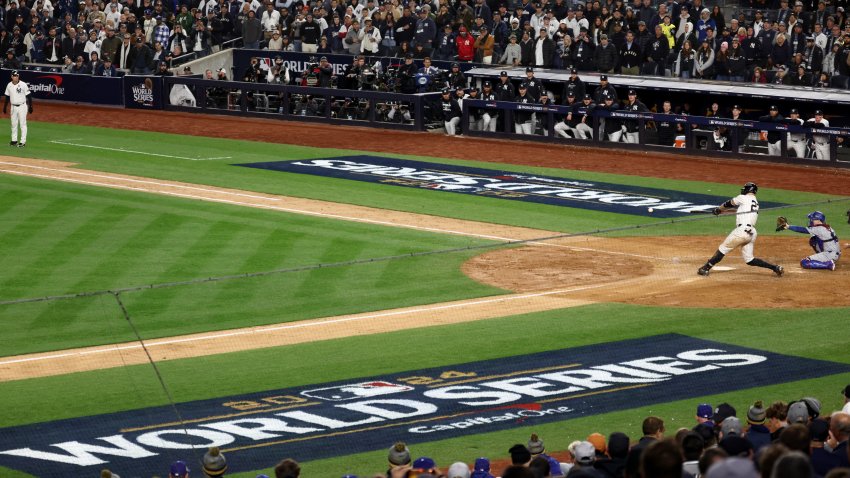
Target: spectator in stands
[(252, 31), (140, 59), (353, 38), (685, 62), (162, 70), (426, 30), (80, 67), (721, 63), (630, 56), (287, 468), (178, 39), (605, 56), (11, 61), (178, 470), (704, 62), (703, 24), (106, 68), (758, 76), (159, 54), (662, 459), (655, 55), (199, 38), (526, 46), (544, 49)]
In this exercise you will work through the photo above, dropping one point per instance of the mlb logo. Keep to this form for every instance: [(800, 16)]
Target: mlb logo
[(355, 391)]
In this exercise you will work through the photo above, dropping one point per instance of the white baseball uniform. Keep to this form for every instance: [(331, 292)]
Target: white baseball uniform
[(821, 141), (17, 94), (744, 235)]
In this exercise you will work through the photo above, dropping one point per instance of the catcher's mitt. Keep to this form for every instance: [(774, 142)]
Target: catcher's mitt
[(781, 223)]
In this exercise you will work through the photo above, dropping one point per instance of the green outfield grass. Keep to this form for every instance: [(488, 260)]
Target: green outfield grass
[(61, 238), (268, 369), (219, 172)]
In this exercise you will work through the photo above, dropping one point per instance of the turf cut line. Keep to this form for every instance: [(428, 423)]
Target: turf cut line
[(122, 150)]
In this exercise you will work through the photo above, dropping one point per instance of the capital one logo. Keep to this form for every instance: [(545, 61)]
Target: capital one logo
[(52, 86)]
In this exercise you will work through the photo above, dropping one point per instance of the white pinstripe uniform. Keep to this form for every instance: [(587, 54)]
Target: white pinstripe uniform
[(17, 94)]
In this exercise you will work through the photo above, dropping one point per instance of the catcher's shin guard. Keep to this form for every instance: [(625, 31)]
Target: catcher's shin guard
[(812, 264)]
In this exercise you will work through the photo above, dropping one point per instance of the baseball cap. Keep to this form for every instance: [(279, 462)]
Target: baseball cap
[(585, 453), (424, 463), (504, 73), (574, 71), (482, 464), (587, 97), (446, 91), (571, 94), (819, 113), (523, 86), (15, 73), (487, 83), (798, 413), (632, 92), (724, 411), (794, 111), (773, 108), (704, 410), (458, 470), (529, 69), (178, 469), (603, 77), (731, 426)]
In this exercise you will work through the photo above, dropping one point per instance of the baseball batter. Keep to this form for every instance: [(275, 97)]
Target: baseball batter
[(823, 241), (744, 235), (18, 93)]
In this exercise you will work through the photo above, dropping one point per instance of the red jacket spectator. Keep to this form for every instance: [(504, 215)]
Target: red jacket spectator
[(465, 45)]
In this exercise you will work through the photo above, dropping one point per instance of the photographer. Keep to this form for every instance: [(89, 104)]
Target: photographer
[(407, 75)]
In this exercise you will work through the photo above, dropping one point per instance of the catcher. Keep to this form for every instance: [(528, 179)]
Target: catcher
[(823, 241)]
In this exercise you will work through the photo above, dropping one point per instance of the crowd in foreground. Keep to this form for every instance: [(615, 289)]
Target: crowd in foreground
[(782, 440)]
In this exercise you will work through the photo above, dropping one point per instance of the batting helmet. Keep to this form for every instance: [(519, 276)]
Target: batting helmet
[(749, 188), (816, 216)]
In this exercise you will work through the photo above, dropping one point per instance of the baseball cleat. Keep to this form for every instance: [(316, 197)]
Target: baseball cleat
[(13, 143), (779, 271), (703, 271), (832, 265), (21, 145)]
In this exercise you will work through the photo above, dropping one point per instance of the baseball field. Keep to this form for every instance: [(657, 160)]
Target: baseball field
[(172, 282)]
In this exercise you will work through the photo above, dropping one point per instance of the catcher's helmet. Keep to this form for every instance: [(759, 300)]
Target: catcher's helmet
[(749, 188), (816, 216)]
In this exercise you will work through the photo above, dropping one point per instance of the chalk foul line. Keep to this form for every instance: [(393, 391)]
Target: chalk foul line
[(145, 153)]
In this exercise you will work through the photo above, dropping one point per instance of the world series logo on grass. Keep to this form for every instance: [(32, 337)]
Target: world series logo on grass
[(324, 420)]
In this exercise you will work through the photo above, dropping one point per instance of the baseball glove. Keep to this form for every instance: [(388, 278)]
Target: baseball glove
[(781, 223)]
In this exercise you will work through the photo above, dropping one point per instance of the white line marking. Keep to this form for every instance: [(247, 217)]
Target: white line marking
[(136, 152), (260, 330), (282, 209)]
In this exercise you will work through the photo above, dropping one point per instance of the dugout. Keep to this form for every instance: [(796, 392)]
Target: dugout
[(697, 95)]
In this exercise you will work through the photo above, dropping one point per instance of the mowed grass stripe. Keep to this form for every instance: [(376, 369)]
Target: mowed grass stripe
[(77, 238)]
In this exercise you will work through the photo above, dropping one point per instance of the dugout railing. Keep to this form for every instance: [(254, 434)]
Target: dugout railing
[(700, 135), (326, 105)]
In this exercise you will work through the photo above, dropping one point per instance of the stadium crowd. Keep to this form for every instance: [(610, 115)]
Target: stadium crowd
[(804, 43), (782, 440)]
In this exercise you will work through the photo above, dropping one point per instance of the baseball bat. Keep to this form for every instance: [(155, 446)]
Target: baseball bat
[(700, 212)]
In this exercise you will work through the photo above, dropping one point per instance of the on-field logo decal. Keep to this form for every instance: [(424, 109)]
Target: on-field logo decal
[(352, 416), (53, 85), (557, 191)]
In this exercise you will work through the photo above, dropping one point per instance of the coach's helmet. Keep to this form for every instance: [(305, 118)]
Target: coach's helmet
[(816, 216), (749, 188)]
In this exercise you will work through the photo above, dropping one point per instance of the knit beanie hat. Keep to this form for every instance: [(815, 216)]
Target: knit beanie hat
[(535, 445), (756, 414), (399, 454), (214, 462)]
